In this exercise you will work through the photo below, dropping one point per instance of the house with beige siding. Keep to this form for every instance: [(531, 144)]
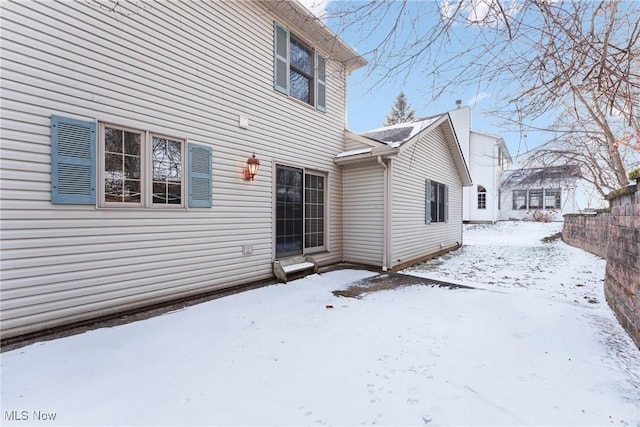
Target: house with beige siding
[(130, 137), (402, 193)]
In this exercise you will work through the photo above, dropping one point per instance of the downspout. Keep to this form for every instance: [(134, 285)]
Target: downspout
[(385, 223)]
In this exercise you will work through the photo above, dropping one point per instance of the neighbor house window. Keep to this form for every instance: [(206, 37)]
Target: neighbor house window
[(482, 197), (132, 167), (299, 71), (537, 199), (519, 199), (300, 211), (437, 202), (552, 199)]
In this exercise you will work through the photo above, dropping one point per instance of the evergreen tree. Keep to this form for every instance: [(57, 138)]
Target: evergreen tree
[(401, 111)]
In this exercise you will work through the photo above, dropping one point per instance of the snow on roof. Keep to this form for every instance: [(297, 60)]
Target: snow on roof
[(355, 152), (538, 175), (396, 135)]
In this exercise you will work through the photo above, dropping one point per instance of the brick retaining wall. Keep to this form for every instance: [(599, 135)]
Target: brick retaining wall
[(615, 235), (588, 231), (622, 279)]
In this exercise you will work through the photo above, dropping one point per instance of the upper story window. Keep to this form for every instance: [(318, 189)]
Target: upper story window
[(299, 71)]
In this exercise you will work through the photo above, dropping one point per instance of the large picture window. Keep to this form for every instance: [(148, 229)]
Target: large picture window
[(300, 211), (299, 71), (437, 202)]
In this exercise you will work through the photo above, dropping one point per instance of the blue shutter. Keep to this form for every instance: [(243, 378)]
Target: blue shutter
[(281, 58), (427, 203), (199, 176), (321, 83), (73, 161)]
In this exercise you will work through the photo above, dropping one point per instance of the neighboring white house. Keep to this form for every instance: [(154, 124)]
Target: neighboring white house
[(126, 136), (403, 192), (545, 193), (488, 158)]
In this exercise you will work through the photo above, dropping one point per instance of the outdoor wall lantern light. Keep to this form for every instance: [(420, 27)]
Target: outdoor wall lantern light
[(253, 164)]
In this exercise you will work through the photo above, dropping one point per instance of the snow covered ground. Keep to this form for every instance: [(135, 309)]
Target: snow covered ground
[(535, 344)]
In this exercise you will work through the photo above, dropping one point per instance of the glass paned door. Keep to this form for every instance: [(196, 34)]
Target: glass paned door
[(289, 211)]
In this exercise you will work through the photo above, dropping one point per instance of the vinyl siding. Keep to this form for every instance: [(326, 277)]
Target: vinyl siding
[(363, 213), (182, 69), (428, 158)]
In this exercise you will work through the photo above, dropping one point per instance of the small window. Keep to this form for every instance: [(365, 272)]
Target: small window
[(482, 197), (437, 202)]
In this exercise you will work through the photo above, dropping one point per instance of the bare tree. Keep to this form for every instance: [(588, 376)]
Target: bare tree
[(576, 60)]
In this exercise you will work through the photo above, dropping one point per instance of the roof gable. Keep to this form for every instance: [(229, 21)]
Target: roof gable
[(397, 138)]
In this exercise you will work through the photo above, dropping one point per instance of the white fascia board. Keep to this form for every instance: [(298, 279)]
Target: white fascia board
[(364, 154), (354, 152)]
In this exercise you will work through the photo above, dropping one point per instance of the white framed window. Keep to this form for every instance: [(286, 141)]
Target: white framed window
[(167, 177), (122, 168), (140, 168)]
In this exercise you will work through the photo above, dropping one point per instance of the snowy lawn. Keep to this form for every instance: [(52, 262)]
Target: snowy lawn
[(535, 344)]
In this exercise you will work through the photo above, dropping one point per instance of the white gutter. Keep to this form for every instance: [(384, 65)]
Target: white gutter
[(385, 214)]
